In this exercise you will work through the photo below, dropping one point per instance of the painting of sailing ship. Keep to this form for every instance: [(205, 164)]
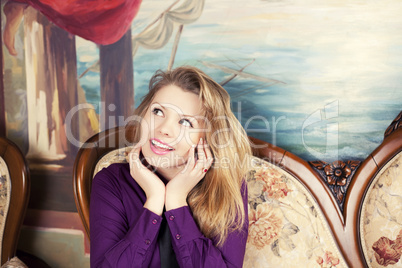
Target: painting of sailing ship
[(319, 79), (286, 84)]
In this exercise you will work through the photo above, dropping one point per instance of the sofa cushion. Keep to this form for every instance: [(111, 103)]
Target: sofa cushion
[(286, 226), (381, 217)]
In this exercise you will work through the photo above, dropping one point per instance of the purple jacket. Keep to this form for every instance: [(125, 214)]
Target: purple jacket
[(124, 233)]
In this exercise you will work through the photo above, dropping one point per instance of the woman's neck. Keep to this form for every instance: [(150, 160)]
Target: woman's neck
[(168, 173)]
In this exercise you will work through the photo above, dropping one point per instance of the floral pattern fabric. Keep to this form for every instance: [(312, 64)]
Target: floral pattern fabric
[(14, 263), (115, 156), (381, 219), (4, 196), (286, 228)]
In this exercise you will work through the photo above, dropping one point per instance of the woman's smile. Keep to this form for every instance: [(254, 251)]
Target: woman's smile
[(159, 147), (171, 127)]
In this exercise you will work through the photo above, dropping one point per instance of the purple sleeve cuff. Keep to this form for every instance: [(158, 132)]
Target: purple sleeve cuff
[(145, 232), (182, 225)]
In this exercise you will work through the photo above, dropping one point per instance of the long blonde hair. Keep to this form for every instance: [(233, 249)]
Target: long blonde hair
[(216, 202)]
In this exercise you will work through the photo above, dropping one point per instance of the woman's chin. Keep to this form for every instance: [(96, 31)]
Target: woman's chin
[(165, 162)]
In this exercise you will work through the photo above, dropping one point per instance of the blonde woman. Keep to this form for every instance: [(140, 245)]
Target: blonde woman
[(182, 199)]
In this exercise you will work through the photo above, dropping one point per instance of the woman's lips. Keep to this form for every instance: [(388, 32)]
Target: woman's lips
[(159, 147)]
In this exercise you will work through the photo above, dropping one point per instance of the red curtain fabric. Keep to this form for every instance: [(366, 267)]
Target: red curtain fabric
[(101, 21)]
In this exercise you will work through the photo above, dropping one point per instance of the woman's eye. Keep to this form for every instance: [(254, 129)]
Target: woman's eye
[(157, 112), (186, 123)]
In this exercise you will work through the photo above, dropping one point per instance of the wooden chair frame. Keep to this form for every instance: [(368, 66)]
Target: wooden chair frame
[(343, 224), (20, 187)]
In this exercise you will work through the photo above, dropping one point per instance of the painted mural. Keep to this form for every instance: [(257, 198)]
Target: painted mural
[(321, 79)]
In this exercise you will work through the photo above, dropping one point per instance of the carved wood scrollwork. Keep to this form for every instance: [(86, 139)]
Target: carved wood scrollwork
[(397, 123), (337, 175)]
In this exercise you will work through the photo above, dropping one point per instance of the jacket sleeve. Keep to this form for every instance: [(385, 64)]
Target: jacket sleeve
[(114, 243), (193, 249)]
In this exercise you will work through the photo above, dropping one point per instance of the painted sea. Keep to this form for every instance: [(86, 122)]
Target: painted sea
[(321, 79)]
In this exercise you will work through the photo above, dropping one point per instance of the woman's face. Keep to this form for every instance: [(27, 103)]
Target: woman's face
[(171, 125)]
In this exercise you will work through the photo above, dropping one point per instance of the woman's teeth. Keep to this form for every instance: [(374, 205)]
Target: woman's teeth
[(160, 145)]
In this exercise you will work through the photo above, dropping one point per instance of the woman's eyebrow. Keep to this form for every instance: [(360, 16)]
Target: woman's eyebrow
[(184, 115)]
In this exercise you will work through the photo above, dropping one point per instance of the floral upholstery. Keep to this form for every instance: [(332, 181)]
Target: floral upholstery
[(14, 263), (115, 156), (286, 227), (5, 191), (381, 218)]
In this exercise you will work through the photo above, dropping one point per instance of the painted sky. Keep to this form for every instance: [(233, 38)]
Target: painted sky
[(339, 61)]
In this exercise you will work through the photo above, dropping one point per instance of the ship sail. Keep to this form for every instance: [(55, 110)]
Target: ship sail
[(158, 36)]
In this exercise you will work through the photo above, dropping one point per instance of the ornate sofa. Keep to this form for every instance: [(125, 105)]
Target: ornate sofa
[(301, 214)]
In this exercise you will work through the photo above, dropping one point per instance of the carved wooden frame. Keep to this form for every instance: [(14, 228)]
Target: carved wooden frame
[(20, 187), (85, 162)]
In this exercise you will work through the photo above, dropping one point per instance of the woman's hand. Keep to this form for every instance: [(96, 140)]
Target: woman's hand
[(180, 186), (150, 183)]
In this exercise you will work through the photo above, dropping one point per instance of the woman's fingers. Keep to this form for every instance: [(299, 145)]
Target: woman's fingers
[(201, 155), (134, 159), (209, 157), (134, 155), (191, 160), (135, 152), (200, 148), (205, 158)]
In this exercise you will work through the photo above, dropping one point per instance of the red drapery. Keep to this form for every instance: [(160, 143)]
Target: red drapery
[(101, 21)]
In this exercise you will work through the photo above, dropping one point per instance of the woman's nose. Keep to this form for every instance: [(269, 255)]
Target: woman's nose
[(166, 128)]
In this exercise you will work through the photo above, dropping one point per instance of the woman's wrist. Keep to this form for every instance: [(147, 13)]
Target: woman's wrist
[(155, 204), (174, 200)]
